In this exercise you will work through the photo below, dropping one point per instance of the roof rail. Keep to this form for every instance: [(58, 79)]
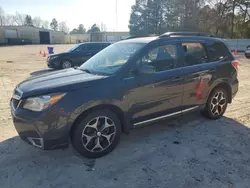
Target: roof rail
[(183, 33), (141, 36)]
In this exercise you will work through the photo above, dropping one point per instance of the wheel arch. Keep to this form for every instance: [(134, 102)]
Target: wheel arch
[(225, 86), (115, 109)]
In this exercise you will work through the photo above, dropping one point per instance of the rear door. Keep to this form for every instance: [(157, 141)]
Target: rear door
[(198, 73), (77, 54), (92, 49)]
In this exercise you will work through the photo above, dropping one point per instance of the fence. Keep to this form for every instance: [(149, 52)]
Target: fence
[(238, 44)]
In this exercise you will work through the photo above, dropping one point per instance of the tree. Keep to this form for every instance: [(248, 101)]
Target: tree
[(137, 22), (81, 29), (19, 19), (74, 31), (54, 24), (94, 29), (28, 20), (45, 24), (9, 19), (37, 21), (63, 27), (2, 17), (225, 18)]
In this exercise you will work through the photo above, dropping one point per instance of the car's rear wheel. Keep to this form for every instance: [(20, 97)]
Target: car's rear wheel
[(66, 64), (216, 104), (97, 134)]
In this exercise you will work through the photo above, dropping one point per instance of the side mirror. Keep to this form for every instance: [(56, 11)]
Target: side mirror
[(147, 69)]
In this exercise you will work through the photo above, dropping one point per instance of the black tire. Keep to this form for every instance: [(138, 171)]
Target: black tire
[(64, 63), (208, 112), (78, 140)]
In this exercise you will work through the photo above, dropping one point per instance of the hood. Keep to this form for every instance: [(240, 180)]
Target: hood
[(58, 81), (59, 54)]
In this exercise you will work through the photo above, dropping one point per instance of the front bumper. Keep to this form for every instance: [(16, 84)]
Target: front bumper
[(41, 130), (53, 63), (235, 87)]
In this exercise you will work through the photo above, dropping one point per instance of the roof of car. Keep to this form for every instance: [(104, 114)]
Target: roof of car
[(95, 43), (139, 40), (174, 37)]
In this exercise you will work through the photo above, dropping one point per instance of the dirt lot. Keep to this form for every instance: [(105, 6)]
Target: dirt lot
[(187, 152)]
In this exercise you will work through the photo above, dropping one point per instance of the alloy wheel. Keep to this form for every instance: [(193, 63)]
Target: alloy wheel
[(218, 103), (98, 134), (66, 64)]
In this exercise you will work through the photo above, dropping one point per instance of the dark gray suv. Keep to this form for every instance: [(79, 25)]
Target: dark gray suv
[(128, 84)]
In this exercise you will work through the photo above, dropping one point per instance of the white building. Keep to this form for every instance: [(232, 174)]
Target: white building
[(29, 35)]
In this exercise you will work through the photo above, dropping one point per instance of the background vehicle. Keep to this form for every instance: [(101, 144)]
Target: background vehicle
[(247, 52), (75, 56), (130, 83)]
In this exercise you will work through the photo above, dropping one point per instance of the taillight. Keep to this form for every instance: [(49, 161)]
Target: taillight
[(236, 64)]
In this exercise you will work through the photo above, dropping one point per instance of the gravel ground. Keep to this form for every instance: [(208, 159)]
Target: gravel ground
[(187, 152)]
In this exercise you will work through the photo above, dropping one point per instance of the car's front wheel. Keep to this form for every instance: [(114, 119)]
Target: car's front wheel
[(66, 64), (216, 104), (97, 134)]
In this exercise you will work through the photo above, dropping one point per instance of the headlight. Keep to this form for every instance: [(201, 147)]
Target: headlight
[(53, 57), (38, 104)]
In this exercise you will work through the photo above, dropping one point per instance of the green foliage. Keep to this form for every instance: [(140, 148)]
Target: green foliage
[(224, 18), (94, 29), (54, 24), (28, 20), (79, 30)]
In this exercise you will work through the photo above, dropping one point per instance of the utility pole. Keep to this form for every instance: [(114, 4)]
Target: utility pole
[(116, 16)]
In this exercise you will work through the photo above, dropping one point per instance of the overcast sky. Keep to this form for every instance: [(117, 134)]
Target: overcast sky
[(75, 12)]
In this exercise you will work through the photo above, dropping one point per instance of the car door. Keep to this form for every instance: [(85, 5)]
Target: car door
[(198, 73), (78, 54), (90, 50), (159, 94)]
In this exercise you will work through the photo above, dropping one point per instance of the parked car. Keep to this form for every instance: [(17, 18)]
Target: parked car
[(76, 55), (128, 84), (247, 52)]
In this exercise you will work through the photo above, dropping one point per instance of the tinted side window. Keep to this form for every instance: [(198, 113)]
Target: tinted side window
[(194, 53), (217, 51), (96, 47), (162, 58), (81, 48), (102, 46), (92, 47)]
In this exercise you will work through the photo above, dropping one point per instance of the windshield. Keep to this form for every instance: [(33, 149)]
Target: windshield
[(112, 58), (73, 48)]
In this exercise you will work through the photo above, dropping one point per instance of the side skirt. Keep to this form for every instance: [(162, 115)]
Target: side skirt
[(166, 116)]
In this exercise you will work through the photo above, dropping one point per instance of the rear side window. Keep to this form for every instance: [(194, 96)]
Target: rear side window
[(81, 48), (102, 46), (194, 53), (96, 47), (93, 47), (217, 51)]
